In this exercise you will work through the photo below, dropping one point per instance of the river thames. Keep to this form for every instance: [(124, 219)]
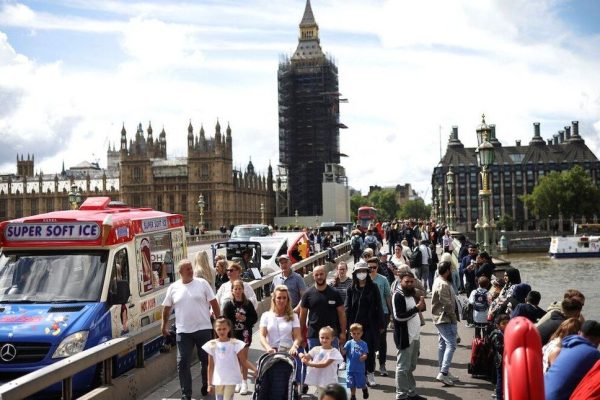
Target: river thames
[(552, 277)]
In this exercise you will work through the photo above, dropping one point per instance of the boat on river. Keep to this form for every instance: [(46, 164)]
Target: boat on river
[(578, 245)]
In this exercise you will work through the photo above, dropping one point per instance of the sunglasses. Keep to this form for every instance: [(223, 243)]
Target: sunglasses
[(372, 268)]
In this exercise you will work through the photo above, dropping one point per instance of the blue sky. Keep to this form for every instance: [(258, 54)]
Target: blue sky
[(72, 71)]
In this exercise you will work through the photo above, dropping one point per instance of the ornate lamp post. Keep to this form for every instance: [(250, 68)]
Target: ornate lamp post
[(201, 205), (262, 213), (485, 158), (441, 204), (450, 184), (74, 197), (296, 215)]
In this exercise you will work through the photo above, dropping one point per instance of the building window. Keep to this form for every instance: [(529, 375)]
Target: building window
[(137, 174), (18, 208), (204, 173), (49, 205), (34, 206), (65, 203), (3, 209), (159, 202), (183, 203), (171, 203), (137, 200)]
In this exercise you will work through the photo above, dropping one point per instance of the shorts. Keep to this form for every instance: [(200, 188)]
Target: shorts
[(245, 336), (355, 380)]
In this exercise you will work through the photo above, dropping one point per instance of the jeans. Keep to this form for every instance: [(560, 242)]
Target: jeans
[(430, 279), (446, 345), (406, 363), (185, 352), (499, 383), (382, 345)]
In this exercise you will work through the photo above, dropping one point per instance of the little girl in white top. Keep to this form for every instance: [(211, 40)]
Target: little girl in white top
[(322, 362), (224, 359)]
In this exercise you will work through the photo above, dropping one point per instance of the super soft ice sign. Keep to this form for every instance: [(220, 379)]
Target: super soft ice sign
[(52, 231)]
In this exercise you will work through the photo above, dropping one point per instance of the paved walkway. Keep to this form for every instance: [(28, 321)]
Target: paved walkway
[(427, 369)]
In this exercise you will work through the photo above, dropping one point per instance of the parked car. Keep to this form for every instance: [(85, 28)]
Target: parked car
[(246, 231), (295, 244)]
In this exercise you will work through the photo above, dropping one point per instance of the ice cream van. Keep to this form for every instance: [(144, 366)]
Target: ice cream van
[(70, 280)]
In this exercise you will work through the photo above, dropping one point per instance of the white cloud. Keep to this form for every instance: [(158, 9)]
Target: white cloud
[(408, 68)]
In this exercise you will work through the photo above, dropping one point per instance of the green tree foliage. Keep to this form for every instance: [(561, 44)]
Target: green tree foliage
[(357, 201), (572, 193), (505, 223), (415, 209), (385, 203)]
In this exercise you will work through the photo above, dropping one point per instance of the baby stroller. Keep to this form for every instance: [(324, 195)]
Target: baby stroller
[(275, 378)]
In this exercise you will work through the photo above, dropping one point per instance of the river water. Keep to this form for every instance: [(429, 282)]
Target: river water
[(552, 277)]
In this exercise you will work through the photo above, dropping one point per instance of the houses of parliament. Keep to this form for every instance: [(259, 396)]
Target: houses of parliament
[(140, 174)]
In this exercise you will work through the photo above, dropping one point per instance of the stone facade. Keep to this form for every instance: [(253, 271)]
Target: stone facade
[(141, 175), (515, 172)]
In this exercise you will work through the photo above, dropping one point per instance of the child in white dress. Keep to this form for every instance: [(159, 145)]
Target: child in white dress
[(322, 362), (224, 359)]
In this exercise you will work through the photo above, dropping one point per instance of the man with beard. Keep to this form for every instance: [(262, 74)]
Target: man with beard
[(407, 329), (326, 309)]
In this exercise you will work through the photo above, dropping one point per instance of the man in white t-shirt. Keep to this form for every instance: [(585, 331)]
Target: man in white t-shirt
[(191, 299)]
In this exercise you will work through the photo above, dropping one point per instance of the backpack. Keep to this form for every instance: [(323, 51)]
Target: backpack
[(356, 244), (371, 241), (415, 258), (481, 301)]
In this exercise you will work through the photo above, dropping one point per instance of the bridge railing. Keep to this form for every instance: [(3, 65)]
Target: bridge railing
[(64, 370)]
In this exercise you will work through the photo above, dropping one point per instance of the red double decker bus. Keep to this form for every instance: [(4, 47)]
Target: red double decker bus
[(366, 217)]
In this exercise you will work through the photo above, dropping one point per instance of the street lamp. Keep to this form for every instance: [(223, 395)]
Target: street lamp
[(262, 213), (296, 215), (441, 204), (201, 208), (485, 158), (74, 197), (450, 184)]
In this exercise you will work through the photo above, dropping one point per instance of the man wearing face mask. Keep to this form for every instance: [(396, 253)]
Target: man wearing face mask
[(407, 329), (363, 306)]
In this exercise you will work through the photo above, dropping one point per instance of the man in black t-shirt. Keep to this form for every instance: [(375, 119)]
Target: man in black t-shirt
[(324, 307)]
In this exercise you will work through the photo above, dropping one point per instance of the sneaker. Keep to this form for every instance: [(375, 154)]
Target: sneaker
[(454, 378), (445, 379), (342, 366), (371, 379), (383, 371), (237, 388), (352, 397), (365, 393), (244, 388)]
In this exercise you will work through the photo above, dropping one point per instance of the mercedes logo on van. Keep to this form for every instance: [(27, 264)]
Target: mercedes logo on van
[(8, 352)]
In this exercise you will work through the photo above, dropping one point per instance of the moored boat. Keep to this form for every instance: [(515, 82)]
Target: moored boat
[(582, 245)]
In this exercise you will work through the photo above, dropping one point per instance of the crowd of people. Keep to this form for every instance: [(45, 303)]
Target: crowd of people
[(341, 324)]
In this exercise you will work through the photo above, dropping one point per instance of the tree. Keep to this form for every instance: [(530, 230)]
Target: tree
[(570, 193), (505, 223), (385, 202), (415, 209), (356, 201)]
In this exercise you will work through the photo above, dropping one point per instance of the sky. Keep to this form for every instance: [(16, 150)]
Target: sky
[(72, 72)]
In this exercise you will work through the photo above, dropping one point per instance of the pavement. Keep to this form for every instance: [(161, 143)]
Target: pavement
[(427, 369)]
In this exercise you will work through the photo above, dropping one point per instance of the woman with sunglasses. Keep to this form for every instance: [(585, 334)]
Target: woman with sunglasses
[(234, 272)]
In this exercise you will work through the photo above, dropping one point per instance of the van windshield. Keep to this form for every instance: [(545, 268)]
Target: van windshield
[(45, 276)]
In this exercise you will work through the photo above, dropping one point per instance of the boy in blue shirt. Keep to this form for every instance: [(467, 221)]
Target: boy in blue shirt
[(356, 351)]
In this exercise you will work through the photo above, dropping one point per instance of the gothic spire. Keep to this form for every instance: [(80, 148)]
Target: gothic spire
[(309, 46), (308, 19)]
